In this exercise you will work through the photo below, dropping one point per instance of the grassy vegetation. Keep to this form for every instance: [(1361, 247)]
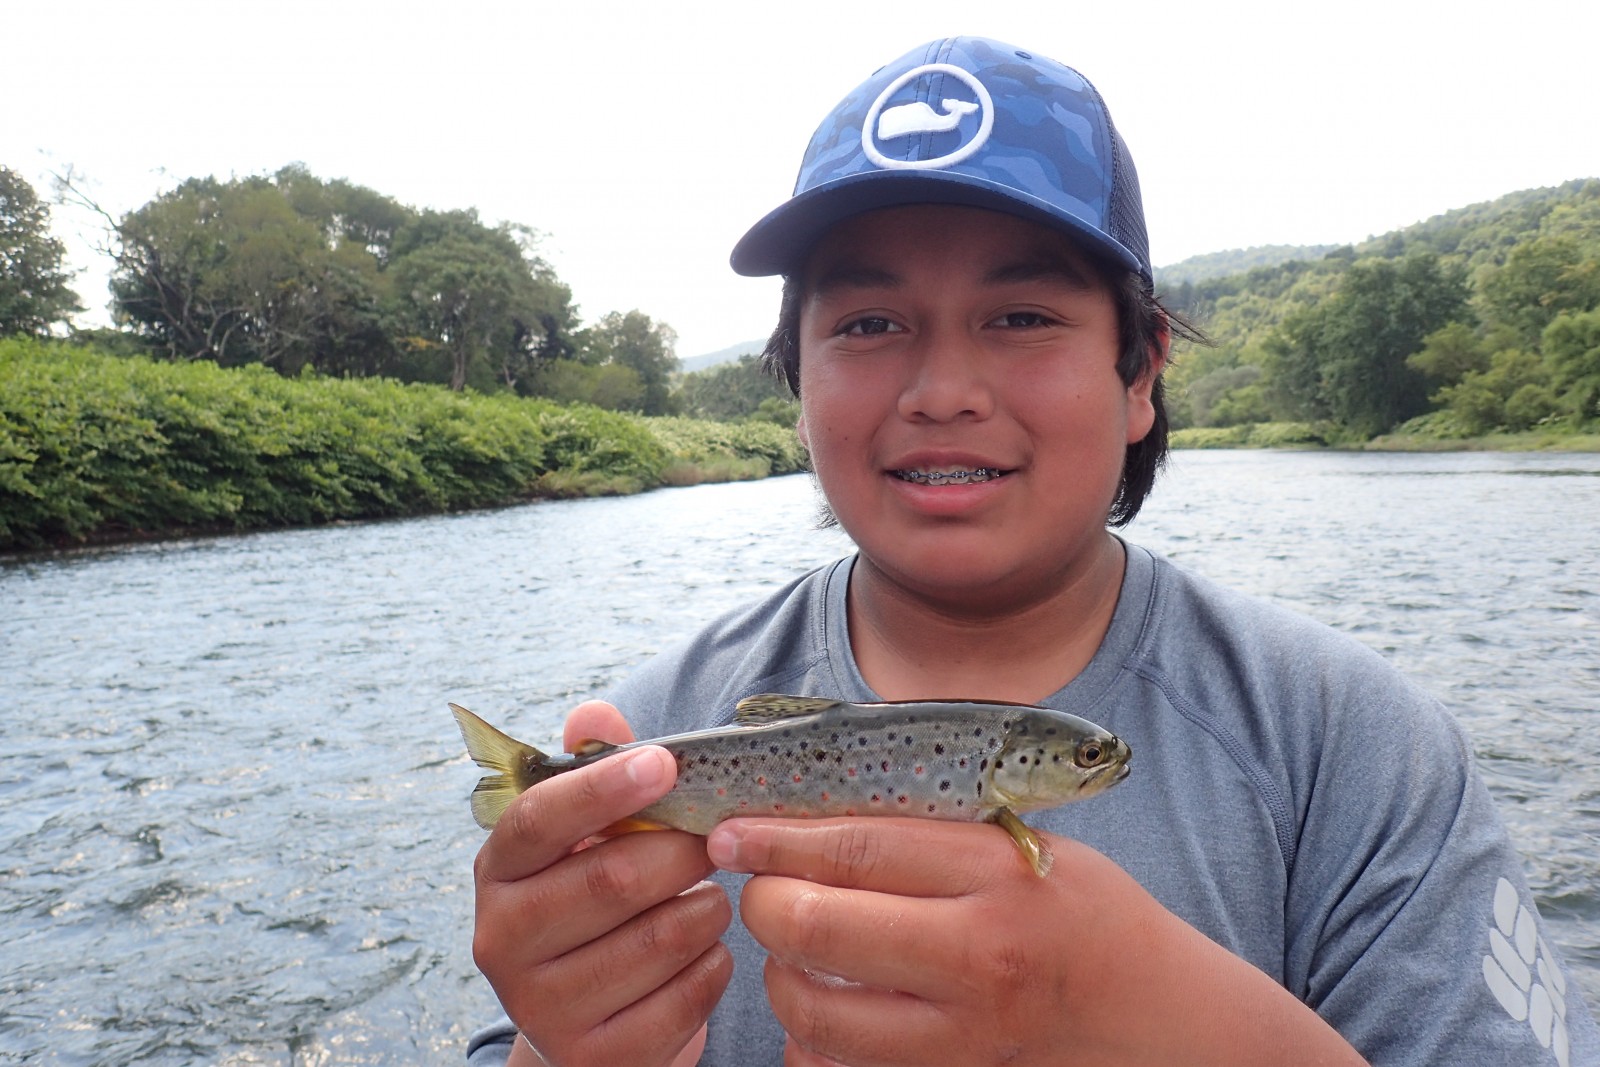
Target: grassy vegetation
[(97, 447), (1330, 435)]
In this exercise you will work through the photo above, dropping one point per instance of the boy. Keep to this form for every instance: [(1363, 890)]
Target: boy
[(1303, 867)]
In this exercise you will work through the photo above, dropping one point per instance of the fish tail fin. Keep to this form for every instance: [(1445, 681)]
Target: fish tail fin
[(518, 766)]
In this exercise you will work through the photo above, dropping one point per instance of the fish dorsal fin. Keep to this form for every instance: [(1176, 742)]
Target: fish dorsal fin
[(771, 707), (591, 747)]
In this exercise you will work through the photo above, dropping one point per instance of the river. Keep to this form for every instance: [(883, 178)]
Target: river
[(233, 820)]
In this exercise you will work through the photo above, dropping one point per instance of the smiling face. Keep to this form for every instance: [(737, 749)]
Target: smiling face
[(961, 402)]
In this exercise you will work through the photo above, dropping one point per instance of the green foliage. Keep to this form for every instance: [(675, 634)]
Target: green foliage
[(1378, 334), (645, 347), (1346, 358), (94, 446), (34, 290), (732, 390)]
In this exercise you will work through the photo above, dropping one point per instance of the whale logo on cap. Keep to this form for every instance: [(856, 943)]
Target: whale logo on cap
[(919, 117)]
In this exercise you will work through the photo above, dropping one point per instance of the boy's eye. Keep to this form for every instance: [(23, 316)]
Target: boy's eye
[(869, 327), (1022, 319)]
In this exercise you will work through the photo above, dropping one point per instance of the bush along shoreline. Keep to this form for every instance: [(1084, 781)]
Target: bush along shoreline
[(96, 448)]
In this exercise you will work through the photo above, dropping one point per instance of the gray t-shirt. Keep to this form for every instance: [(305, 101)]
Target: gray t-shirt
[(1292, 797)]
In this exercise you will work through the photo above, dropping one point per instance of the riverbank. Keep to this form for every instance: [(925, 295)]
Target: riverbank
[(1306, 435), (96, 448)]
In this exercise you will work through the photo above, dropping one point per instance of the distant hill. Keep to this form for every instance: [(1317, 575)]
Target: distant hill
[(1235, 261), (723, 355)]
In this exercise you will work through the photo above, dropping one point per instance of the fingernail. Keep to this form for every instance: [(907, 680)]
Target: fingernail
[(722, 846), (647, 768)]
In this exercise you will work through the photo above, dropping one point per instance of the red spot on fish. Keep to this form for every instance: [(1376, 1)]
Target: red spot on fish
[(762, 780), (876, 798), (824, 795), (744, 803), (919, 770), (777, 807), (849, 811), (799, 778), (851, 772), (721, 791)]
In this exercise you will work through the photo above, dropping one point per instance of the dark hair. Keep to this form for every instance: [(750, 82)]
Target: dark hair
[(1141, 321)]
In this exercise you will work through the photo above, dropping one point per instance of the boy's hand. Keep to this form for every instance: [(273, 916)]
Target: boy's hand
[(605, 954), (900, 941)]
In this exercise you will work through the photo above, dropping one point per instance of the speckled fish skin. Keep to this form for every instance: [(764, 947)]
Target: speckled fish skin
[(954, 760), (809, 757)]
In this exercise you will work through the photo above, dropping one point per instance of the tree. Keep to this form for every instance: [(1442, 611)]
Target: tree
[(1571, 346), (231, 272), (1346, 357), (478, 294), (635, 341), (34, 294), (733, 390)]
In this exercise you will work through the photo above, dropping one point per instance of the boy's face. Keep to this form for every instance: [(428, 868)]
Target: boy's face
[(938, 339)]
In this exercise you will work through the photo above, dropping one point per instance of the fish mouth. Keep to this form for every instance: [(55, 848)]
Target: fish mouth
[(951, 476)]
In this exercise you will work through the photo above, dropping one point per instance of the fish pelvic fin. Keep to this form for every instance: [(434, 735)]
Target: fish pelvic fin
[(1029, 843), (770, 707), (518, 766)]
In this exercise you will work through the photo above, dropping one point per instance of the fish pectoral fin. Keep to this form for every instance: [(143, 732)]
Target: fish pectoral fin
[(589, 746), (770, 707), (631, 825), (1029, 843)]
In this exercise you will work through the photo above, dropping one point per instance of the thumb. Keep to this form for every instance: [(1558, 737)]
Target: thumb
[(595, 720)]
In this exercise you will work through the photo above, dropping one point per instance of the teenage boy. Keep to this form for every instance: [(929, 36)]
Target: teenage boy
[(1304, 866)]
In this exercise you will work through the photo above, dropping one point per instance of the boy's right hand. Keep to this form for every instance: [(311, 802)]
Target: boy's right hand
[(601, 953)]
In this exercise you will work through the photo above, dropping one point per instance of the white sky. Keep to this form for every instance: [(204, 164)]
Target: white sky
[(644, 138)]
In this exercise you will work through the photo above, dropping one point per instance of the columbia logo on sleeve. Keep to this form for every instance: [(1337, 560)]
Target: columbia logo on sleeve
[(1522, 972)]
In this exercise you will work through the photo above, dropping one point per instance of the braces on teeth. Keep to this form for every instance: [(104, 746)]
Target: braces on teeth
[(982, 474)]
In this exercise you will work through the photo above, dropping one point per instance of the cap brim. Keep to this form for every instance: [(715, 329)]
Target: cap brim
[(781, 241)]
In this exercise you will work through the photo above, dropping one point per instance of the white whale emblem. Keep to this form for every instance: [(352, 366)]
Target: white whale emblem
[(910, 119), (902, 120)]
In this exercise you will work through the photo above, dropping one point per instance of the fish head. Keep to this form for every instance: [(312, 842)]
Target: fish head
[(1063, 759)]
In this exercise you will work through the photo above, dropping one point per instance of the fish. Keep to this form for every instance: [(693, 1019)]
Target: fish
[(814, 757)]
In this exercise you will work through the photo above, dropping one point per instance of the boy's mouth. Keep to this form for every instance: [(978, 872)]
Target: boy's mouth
[(957, 476)]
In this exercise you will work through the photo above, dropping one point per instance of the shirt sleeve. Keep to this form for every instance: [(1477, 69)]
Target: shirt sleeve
[(491, 1046), (1412, 929)]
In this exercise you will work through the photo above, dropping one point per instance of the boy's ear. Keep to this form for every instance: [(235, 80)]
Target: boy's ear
[(1141, 409)]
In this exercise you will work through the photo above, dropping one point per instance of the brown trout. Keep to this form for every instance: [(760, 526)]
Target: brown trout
[(811, 757)]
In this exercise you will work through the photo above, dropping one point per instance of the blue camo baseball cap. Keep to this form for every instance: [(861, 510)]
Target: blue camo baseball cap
[(965, 120)]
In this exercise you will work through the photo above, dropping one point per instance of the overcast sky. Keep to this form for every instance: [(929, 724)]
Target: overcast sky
[(643, 138)]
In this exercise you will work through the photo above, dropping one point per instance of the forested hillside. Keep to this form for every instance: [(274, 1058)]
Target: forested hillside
[(1481, 319)]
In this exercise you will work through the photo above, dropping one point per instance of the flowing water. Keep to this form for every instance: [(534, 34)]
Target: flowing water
[(233, 820)]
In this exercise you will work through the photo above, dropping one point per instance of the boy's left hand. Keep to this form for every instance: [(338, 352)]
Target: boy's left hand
[(905, 941)]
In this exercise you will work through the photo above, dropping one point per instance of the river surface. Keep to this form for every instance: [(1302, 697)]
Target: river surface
[(233, 818)]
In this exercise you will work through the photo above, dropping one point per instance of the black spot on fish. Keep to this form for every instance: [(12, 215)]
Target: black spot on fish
[(804, 745), (834, 738), (702, 761), (772, 749), (1020, 759), (908, 739), (1050, 731), (876, 798), (938, 750), (754, 745), (980, 789), (786, 733), (1056, 758), (734, 762), (884, 766), (944, 786), (892, 737), (931, 808), (960, 803), (822, 756), (978, 732), (902, 798), (862, 741), (983, 766)]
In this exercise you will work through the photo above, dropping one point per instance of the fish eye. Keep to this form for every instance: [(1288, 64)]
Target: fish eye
[(1090, 753)]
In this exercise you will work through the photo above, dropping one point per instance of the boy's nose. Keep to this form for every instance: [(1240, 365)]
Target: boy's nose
[(948, 379)]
